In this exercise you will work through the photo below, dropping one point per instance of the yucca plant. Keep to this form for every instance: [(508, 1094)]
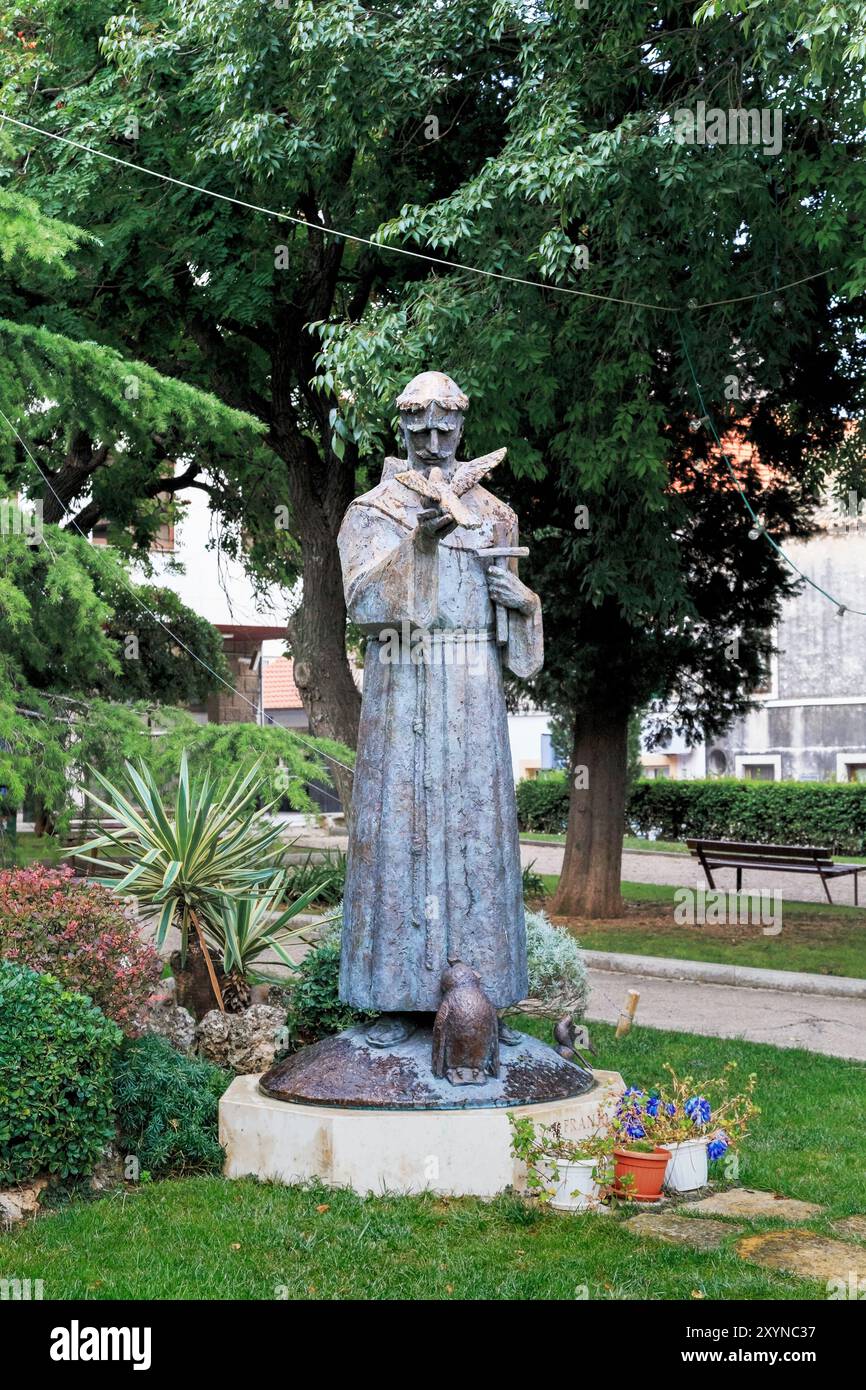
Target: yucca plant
[(191, 867), (246, 928)]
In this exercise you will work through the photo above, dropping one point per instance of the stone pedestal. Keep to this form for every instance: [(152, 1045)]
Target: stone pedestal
[(454, 1152), (346, 1070)]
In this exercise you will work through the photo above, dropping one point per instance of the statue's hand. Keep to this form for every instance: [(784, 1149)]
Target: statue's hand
[(434, 525), (506, 589)]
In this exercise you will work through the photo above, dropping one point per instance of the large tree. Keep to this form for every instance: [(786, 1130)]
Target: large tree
[(658, 587), (327, 111)]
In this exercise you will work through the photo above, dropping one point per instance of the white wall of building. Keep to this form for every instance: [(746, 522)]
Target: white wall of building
[(214, 584), (525, 732)]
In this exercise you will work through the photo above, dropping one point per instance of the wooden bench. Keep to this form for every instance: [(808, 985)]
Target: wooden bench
[(788, 859)]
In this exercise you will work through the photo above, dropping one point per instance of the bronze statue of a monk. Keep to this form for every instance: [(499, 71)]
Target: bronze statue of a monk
[(434, 870)]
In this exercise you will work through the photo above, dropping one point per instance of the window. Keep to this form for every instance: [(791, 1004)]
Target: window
[(759, 767), (163, 539), (851, 767), (161, 542)]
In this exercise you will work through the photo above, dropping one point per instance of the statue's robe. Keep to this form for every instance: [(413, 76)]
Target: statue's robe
[(434, 858)]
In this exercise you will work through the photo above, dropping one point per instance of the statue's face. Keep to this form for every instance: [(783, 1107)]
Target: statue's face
[(432, 436)]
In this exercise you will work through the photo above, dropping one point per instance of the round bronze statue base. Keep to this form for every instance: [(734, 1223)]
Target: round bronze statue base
[(346, 1071)]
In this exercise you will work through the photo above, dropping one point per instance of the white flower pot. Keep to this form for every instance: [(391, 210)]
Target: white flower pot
[(687, 1169), (576, 1186)]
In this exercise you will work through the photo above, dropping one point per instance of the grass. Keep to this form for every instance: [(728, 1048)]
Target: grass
[(205, 1238), (816, 937), (26, 849)]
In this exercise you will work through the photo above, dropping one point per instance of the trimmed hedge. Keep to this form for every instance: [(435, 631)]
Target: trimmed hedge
[(542, 803), (56, 1055), (832, 814)]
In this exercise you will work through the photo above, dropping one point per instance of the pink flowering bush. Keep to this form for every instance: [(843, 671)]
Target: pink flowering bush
[(81, 934)]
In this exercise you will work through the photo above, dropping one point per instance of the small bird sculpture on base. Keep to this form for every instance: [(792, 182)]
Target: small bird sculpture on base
[(567, 1035)]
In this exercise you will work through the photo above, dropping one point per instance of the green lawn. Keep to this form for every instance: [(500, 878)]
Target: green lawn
[(26, 849), (815, 937), (204, 1238)]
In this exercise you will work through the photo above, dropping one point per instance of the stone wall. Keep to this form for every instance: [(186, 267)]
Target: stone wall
[(226, 707)]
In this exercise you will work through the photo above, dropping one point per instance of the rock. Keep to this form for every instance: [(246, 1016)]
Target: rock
[(246, 1042), (748, 1202), (279, 996), (809, 1255), (108, 1172), (163, 995), (698, 1232), (18, 1202), (212, 1037), (175, 1024)]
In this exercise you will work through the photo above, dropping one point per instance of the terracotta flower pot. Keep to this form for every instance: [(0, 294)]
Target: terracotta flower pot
[(647, 1171)]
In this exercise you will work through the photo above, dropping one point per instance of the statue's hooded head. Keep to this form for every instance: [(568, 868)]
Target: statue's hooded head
[(431, 409)]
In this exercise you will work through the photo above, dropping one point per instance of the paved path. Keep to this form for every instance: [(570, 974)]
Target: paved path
[(834, 1026), (680, 869)]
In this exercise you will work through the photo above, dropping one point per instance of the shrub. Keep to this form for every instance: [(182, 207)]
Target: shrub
[(315, 1008), (794, 813), (542, 803), (326, 874), (79, 933), (167, 1108), (56, 1054), (556, 966)]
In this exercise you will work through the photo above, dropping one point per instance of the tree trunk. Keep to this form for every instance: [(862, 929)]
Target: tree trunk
[(317, 634), (590, 881), (43, 822), (192, 980)]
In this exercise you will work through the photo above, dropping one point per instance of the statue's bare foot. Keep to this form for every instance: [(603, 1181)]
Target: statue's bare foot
[(509, 1037), (390, 1029)]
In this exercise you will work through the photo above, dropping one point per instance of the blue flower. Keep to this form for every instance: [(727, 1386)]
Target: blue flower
[(717, 1146), (698, 1110), (670, 1108), (630, 1102), (635, 1130), (654, 1105)]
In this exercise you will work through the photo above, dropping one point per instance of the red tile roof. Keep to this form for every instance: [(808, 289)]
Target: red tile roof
[(743, 456), (280, 691)]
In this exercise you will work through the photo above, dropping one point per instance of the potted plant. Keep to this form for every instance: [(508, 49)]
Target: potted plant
[(570, 1174), (639, 1160), (699, 1123)]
